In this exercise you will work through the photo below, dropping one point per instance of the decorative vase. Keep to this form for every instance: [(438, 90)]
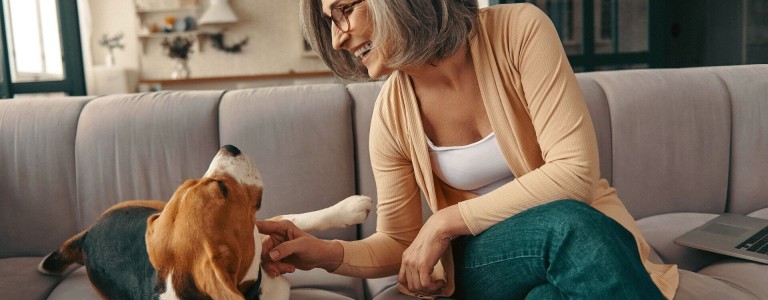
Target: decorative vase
[(109, 60), (180, 69)]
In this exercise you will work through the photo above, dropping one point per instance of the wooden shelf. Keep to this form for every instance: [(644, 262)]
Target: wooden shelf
[(170, 34), (144, 14), (165, 10)]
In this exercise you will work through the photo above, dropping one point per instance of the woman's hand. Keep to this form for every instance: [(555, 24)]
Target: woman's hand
[(420, 258), (288, 248)]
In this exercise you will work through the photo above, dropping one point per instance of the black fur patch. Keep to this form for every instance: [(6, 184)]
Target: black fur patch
[(116, 254)]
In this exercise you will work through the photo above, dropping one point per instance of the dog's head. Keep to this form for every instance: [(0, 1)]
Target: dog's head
[(202, 244)]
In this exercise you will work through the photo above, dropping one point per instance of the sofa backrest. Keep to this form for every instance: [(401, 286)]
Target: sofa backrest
[(142, 146), (38, 191), (301, 139), (747, 88), (671, 140), (689, 140), (64, 161)]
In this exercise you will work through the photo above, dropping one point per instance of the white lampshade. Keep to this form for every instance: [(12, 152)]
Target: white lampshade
[(218, 13)]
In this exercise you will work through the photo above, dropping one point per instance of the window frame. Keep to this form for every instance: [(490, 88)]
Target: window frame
[(589, 60), (73, 83)]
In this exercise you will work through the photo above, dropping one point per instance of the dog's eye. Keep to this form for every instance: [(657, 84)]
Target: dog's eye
[(223, 188)]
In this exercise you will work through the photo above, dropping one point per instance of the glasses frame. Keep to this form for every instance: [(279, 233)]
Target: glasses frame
[(343, 11)]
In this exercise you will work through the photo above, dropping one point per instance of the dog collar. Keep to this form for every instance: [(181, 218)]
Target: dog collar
[(254, 292)]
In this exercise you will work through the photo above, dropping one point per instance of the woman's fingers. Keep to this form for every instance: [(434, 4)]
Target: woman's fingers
[(271, 227), (275, 268), (288, 248), (419, 279)]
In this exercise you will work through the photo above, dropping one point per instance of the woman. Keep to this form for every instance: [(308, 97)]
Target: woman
[(483, 115)]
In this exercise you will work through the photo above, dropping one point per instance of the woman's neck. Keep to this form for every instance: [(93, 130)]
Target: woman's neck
[(448, 73)]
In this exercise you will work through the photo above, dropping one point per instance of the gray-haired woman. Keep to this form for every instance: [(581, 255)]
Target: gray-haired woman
[(481, 112)]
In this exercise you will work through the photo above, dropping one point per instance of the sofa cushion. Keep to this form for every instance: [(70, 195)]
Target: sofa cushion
[(746, 275), (315, 284), (763, 213), (670, 134), (747, 88), (37, 190), (597, 103), (75, 286), (314, 281), (694, 286), (364, 97), (142, 146), (660, 232), (300, 137), (313, 294), (19, 279)]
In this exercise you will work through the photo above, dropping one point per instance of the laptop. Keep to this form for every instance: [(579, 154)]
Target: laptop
[(731, 234)]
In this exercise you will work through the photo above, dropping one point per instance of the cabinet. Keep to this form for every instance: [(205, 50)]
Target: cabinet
[(158, 23)]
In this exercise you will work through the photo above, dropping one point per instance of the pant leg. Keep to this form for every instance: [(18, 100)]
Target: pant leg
[(568, 244), (546, 291)]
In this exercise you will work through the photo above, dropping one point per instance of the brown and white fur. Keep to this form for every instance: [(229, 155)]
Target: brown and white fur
[(201, 244)]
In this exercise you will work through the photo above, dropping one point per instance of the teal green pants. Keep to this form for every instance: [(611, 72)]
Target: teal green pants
[(560, 250)]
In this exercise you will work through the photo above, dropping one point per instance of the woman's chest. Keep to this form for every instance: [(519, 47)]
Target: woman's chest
[(454, 118)]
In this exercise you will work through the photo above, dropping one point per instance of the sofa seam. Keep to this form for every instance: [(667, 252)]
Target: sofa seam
[(79, 223), (729, 95)]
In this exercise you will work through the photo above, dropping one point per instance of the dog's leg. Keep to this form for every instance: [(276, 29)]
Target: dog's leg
[(277, 288), (70, 252), (350, 211), (274, 287)]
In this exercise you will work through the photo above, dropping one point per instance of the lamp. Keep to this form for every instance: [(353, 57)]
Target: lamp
[(218, 12)]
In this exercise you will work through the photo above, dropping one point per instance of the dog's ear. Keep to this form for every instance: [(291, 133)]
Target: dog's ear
[(149, 235), (151, 224), (217, 277)]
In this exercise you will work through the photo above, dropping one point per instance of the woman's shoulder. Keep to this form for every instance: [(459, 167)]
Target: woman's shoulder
[(389, 102), (392, 90), (511, 12)]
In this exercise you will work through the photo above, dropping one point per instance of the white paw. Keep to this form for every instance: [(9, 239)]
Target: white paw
[(352, 210)]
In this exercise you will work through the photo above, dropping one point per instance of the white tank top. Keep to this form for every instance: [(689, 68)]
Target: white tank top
[(478, 167)]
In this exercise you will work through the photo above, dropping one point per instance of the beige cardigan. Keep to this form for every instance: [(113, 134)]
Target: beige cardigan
[(541, 121)]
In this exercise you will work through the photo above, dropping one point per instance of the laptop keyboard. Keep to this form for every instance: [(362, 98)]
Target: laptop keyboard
[(757, 243)]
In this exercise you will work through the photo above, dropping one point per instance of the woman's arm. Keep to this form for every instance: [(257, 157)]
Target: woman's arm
[(560, 119), (287, 247), (398, 201)]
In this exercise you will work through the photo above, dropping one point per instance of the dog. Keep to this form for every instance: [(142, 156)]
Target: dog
[(201, 244)]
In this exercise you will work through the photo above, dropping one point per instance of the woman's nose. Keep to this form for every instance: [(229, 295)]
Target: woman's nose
[(338, 38)]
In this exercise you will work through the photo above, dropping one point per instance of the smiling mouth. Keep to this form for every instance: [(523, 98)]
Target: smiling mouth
[(364, 50)]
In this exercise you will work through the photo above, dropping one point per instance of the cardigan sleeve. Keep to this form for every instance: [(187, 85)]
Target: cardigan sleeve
[(555, 105), (398, 208)]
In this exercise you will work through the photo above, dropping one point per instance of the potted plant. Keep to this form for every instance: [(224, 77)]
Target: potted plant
[(179, 49), (111, 43)]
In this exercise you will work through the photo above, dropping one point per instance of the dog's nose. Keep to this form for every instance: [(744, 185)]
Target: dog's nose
[(232, 150)]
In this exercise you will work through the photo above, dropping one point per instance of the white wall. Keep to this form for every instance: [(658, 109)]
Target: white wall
[(275, 42)]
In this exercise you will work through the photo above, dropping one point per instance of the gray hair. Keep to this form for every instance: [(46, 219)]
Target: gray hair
[(415, 32)]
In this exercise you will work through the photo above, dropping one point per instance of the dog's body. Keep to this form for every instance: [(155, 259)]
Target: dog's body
[(202, 244)]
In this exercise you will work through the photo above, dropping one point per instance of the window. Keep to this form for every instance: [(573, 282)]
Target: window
[(602, 34), (756, 32), (41, 48), (33, 37)]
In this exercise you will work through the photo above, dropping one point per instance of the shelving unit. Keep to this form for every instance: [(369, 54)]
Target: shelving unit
[(147, 16)]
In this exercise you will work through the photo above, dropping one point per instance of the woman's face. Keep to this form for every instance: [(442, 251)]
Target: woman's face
[(357, 39)]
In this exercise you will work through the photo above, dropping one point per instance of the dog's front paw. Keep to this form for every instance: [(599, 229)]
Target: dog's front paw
[(353, 210)]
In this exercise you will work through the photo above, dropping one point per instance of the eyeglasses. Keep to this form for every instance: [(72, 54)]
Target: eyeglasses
[(340, 15)]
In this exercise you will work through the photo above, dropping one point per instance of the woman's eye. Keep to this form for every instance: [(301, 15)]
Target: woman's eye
[(223, 188)]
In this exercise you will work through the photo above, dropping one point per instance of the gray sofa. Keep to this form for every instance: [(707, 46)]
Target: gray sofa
[(679, 145)]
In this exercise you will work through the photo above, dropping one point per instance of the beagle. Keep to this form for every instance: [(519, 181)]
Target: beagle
[(201, 244)]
